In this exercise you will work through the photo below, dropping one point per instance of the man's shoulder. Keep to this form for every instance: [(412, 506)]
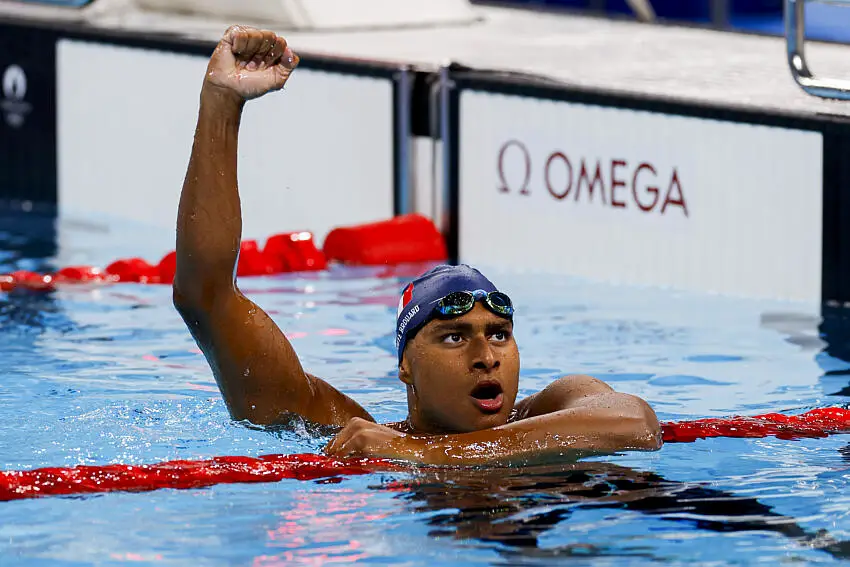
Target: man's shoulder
[(561, 394), (576, 385)]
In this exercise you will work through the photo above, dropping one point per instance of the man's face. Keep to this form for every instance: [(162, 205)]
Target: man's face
[(464, 372)]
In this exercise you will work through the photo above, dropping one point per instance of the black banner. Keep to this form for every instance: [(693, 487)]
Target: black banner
[(27, 116)]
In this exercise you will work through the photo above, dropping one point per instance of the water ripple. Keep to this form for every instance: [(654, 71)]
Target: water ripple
[(94, 376)]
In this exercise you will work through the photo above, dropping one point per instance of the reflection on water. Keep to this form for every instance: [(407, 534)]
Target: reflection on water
[(835, 358), (516, 507), (26, 314), (827, 337), (27, 241)]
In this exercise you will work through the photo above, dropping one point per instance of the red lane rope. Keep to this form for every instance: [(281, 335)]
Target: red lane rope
[(15, 485), (291, 252), (400, 240), (815, 423)]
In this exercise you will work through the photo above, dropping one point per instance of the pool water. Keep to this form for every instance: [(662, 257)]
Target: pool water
[(111, 375)]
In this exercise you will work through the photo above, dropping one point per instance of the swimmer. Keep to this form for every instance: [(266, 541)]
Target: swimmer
[(457, 357)]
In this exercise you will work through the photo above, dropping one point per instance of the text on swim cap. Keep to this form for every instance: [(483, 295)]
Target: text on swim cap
[(403, 324)]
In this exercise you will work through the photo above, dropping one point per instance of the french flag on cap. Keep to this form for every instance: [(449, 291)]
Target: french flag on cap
[(405, 299)]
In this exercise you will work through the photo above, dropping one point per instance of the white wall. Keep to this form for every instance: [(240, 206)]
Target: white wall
[(315, 156)]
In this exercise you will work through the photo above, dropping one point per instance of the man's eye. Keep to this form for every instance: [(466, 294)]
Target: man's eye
[(501, 336), (452, 339)]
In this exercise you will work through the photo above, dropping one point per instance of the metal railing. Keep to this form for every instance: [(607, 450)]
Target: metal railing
[(642, 9), (795, 40)]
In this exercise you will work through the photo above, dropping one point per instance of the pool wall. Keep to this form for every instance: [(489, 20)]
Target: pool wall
[(540, 174)]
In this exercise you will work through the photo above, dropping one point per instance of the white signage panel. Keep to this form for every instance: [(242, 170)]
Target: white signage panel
[(640, 198)]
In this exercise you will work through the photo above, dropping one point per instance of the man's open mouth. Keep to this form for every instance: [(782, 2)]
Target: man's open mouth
[(487, 396)]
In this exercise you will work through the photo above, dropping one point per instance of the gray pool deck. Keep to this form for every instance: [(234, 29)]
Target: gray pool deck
[(673, 62)]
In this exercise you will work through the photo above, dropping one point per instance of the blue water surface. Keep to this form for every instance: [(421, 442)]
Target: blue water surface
[(97, 375)]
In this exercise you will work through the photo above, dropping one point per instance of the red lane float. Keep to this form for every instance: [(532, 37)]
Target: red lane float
[(134, 270), (401, 240), (79, 274), (251, 260), (167, 267), (295, 252), (29, 280), (15, 485)]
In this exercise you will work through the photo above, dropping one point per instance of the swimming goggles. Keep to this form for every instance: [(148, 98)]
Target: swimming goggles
[(461, 302)]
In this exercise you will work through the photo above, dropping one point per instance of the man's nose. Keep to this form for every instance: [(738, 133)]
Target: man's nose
[(483, 354)]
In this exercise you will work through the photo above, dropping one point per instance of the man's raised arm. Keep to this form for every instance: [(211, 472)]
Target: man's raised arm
[(255, 367)]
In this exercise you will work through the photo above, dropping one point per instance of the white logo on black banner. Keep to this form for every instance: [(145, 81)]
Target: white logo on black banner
[(15, 108)]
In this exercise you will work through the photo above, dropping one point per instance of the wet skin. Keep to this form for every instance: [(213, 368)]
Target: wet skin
[(461, 375)]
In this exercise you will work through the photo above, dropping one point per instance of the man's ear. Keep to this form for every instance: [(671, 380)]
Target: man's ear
[(404, 373)]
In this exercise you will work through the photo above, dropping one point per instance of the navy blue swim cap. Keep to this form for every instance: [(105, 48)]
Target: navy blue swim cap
[(417, 305)]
